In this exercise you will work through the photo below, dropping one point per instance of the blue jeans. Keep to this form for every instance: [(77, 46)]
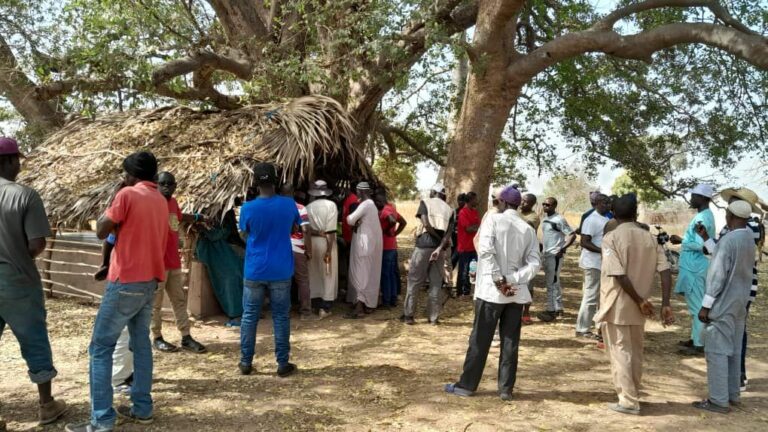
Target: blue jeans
[(123, 305), (24, 312), (280, 302), (390, 277), (464, 287)]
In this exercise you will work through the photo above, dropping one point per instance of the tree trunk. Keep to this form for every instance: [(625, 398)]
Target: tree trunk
[(20, 91), (472, 150)]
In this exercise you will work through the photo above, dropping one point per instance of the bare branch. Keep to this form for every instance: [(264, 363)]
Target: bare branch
[(714, 6), (641, 46)]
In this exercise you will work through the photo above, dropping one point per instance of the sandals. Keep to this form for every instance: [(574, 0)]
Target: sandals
[(707, 405)]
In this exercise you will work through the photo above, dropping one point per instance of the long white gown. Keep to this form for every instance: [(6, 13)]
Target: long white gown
[(366, 254)]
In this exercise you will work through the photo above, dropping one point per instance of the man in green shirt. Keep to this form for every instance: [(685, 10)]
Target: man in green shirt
[(23, 229)]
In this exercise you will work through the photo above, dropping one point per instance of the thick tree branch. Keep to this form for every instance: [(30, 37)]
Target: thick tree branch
[(714, 6), (640, 46), (20, 91), (388, 130), (242, 69)]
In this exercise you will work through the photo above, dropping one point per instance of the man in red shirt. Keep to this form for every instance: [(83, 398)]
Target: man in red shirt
[(139, 213), (392, 224), (468, 224), (174, 278), (346, 235)]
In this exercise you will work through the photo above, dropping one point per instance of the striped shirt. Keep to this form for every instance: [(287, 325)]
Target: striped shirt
[(754, 225)]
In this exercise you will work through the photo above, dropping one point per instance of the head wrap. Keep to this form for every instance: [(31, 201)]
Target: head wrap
[(511, 196), (141, 165)]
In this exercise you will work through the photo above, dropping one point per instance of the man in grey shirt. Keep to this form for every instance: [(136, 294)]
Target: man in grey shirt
[(23, 229)]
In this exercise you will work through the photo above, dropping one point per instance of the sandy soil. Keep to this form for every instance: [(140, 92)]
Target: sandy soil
[(378, 374)]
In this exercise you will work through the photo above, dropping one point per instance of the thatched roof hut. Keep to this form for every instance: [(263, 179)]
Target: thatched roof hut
[(210, 153)]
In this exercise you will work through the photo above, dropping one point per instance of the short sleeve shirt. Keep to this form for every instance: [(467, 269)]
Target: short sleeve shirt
[(22, 218), (172, 257), (297, 236), (467, 217), (387, 229), (593, 226), (532, 218), (628, 251), (323, 215), (141, 213), (269, 223)]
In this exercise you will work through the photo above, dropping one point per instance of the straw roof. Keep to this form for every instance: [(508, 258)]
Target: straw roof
[(211, 154)]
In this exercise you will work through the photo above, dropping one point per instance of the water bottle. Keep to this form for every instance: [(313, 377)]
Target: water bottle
[(472, 271)]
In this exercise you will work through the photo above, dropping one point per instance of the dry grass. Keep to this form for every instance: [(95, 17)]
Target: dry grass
[(211, 153)]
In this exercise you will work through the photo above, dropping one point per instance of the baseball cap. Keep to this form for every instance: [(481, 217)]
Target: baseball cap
[(9, 146), (264, 173), (704, 190), (741, 209)]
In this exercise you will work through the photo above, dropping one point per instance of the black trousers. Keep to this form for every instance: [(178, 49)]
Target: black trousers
[(464, 287), (487, 316)]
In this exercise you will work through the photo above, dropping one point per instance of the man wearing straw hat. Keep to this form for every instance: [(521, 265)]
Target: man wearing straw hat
[(710, 244), (23, 229), (724, 309), (323, 270), (137, 264)]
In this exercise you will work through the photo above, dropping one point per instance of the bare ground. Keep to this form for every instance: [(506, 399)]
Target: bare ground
[(378, 374)]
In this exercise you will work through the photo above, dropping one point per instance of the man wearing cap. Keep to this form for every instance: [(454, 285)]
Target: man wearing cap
[(693, 264), (268, 222), (427, 259), (140, 213), (724, 309), (509, 259), (365, 253), (710, 244), (323, 270), (23, 229)]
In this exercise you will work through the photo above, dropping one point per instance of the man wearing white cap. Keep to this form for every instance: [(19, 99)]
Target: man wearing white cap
[(710, 244), (427, 260), (693, 263), (724, 309)]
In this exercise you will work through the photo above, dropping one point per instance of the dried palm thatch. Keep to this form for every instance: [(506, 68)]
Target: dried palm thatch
[(211, 154)]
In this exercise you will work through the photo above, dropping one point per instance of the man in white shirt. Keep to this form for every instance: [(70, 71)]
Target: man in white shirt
[(508, 259), (557, 236), (590, 261)]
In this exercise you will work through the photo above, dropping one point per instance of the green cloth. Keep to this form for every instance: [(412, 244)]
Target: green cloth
[(225, 269)]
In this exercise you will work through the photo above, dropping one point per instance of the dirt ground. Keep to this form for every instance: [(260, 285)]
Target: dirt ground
[(378, 374)]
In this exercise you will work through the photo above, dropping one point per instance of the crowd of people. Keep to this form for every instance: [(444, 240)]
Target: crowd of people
[(291, 247)]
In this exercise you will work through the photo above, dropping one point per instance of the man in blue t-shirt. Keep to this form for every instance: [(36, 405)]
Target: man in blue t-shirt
[(268, 221)]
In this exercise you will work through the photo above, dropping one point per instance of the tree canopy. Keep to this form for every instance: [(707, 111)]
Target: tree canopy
[(654, 86)]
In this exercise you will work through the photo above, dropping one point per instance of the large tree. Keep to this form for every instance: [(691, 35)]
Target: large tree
[(643, 84), (81, 56)]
